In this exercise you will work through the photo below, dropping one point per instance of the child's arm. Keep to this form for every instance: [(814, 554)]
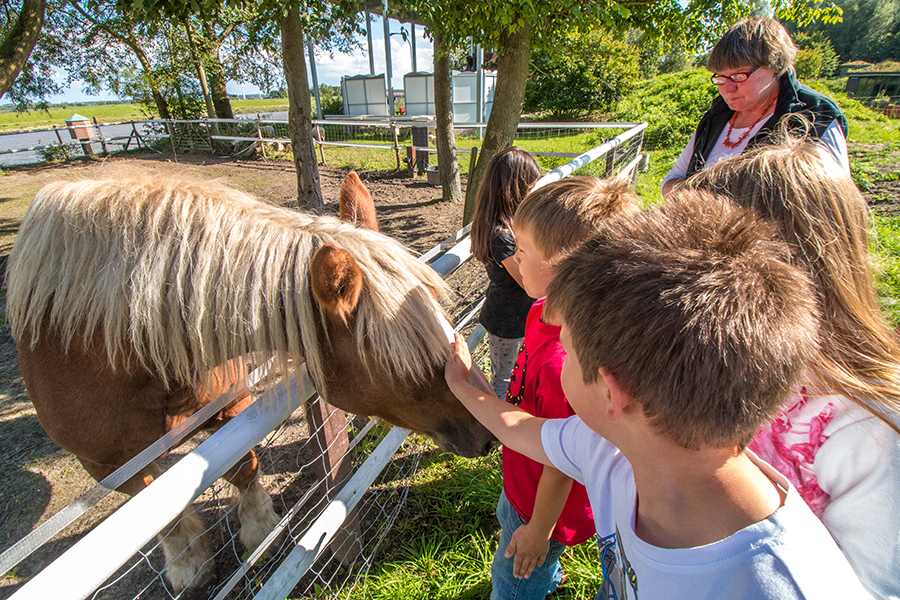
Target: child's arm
[(531, 542), (514, 427)]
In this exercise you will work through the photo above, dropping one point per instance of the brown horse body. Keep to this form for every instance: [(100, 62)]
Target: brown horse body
[(105, 398)]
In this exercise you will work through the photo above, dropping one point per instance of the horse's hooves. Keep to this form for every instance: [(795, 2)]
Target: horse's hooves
[(191, 585)]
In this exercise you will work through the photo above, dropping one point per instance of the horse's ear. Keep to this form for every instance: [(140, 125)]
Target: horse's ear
[(336, 280), (356, 204)]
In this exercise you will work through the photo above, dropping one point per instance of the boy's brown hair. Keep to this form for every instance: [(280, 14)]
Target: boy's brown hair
[(562, 214), (696, 310)]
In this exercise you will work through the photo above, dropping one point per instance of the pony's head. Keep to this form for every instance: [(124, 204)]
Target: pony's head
[(395, 373)]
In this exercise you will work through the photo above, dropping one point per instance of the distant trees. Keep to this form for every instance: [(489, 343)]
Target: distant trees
[(869, 31)]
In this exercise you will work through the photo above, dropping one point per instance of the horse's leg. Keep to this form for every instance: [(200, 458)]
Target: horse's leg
[(185, 548), (254, 505)]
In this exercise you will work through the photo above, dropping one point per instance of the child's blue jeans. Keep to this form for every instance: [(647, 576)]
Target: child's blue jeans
[(543, 580)]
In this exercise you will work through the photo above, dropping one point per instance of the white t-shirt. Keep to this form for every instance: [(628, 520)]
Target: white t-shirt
[(833, 139), (788, 556)]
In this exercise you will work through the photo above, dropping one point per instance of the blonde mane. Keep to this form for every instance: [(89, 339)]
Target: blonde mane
[(190, 274)]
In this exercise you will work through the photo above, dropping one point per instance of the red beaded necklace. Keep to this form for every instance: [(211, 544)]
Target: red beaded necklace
[(727, 141)]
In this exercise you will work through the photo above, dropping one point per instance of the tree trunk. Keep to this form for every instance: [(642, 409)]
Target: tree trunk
[(20, 41), (216, 75), (512, 73), (445, 139), (162, 105), (201, 72), (309, 193)]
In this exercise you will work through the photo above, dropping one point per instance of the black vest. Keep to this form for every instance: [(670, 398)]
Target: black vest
[(793, 98)]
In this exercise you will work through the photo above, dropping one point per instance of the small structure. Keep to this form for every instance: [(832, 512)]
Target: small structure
[(364, 95), (856, 65), (880, 89), (81, 129)]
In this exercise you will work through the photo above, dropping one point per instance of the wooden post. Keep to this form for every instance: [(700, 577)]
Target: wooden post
[(262, 144), (59, 137), (410, 161), (100, 135), (329, 427), (396, 143), (469, 206)]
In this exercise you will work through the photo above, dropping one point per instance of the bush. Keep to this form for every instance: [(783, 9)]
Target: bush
[(588, 72), (808, 64), (672, 105), (817, 57), (57, 153)]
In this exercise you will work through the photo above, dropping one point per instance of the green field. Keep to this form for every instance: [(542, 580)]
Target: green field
[(112, 113)]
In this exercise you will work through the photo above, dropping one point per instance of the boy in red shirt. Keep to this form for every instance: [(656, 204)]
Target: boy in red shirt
[(541, 511)]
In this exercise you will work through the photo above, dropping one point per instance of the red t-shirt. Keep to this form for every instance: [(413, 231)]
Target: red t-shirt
[(535, 387)]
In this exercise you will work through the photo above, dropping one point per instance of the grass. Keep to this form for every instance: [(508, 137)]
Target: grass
[(443, 543), (114, 113)]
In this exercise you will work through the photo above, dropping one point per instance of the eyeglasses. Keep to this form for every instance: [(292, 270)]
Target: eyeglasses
[(736, 77)]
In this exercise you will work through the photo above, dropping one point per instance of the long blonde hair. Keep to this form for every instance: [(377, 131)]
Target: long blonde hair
[(823, 216), (188, 274)]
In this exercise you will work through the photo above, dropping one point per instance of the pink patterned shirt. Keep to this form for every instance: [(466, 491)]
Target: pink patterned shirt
[(790, 443)]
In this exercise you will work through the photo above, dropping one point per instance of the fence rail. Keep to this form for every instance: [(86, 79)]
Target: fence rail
[(236, 137)]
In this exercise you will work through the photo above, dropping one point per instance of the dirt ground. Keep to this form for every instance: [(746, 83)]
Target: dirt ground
[(37, 478)]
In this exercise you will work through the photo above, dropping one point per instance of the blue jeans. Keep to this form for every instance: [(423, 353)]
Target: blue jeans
[(544, 579)]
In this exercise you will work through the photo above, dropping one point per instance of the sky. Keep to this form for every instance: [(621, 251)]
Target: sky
[(330, 69)]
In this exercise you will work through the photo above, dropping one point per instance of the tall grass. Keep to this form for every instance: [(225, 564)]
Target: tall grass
[(443, 543)]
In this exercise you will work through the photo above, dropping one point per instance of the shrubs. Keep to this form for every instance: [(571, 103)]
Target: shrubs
[(588, 72), (672, 104)]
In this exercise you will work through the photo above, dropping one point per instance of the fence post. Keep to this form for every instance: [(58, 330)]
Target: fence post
[(100, 135), (329, 426), (394, 130), (410, 161)]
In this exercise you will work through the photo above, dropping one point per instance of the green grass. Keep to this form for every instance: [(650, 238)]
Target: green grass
[(443, 544), (886, 259), (114, 113)]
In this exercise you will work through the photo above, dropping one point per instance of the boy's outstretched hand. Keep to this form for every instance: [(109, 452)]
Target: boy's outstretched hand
[(459, 369), (456, 371)]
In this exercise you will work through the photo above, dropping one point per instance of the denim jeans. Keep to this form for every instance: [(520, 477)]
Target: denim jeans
[(543, 580), (503, 353)]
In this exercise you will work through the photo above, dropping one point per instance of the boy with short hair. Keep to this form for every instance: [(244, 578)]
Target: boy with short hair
[(540, 511), (685, 328)]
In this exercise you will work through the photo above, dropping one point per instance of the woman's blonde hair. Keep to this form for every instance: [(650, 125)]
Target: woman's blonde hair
[(823, 216)]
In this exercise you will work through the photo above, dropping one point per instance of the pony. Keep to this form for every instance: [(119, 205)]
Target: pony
[(133, 300)]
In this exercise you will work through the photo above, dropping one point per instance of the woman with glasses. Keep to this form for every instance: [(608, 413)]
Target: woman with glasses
[(752, 65)]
